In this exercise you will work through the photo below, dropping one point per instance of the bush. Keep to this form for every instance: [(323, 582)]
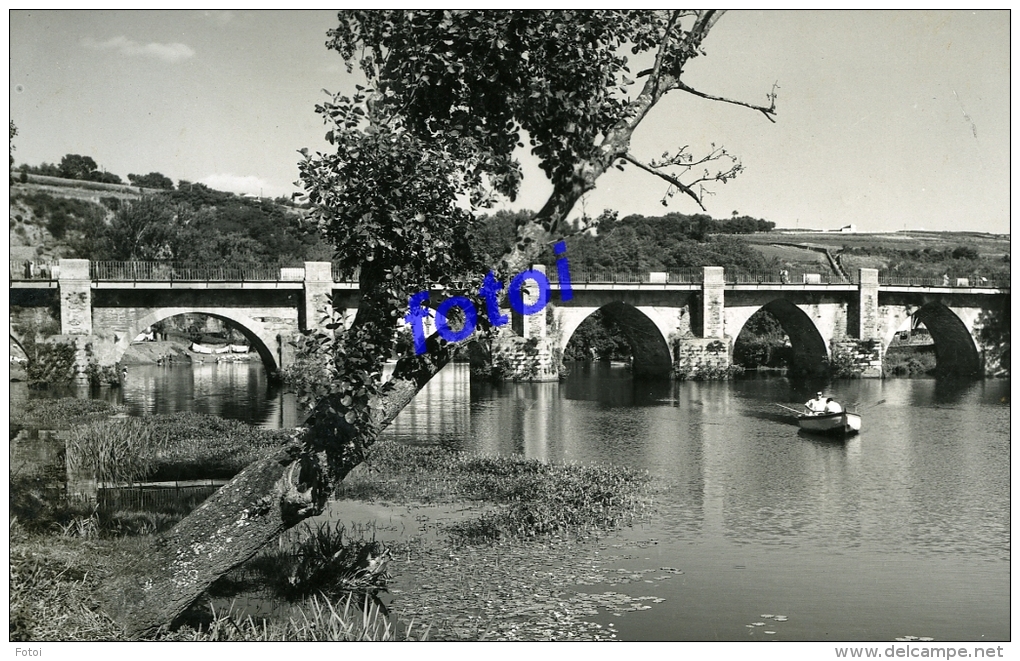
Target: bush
[(908, 363), (51, 363), (683, 371), (327, 562), (101, 375)]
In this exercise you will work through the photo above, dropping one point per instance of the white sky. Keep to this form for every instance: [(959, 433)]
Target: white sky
[(888, 120)]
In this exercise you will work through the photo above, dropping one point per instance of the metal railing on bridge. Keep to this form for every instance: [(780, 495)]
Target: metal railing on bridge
[(610, 276), (29, 269), (154, 271), (785, 277), (945, 280), (175, 272)]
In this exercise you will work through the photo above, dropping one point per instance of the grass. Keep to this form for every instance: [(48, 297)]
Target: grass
[(324, 561), (59, 413), (177, 446), (53, 577), (318, 620)]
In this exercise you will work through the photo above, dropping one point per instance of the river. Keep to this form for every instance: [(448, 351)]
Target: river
[(900, 531)]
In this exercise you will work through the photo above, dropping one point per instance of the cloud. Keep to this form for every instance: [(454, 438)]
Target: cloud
[(233, 183), (171, 53)]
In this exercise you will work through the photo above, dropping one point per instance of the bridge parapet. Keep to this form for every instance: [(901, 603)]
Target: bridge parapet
[(159, 271)]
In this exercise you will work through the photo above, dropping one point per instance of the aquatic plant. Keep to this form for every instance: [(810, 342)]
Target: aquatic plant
[(532, 497)]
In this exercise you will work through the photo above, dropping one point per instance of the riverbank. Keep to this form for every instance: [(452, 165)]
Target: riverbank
[(151, 353), (474, 547)]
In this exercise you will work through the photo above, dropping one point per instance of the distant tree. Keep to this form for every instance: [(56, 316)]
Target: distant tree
[(496, 234), (44, 169), (965, 252), (105, 177), (76, 166), (597, 338), (151, 180), (146, 229), (14, 132)]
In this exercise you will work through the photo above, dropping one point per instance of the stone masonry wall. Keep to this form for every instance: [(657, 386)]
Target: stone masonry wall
[(863, 358), (697, 358), (515, 358)]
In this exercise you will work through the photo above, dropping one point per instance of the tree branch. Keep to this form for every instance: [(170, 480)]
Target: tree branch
[(768, 112), (667, 177)]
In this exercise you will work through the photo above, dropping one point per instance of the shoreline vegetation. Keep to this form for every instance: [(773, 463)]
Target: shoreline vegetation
[(472, 516)]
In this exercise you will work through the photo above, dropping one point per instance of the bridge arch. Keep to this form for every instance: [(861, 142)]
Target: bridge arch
[(263, 341), (956, 351), (810, 355), (643, 328)]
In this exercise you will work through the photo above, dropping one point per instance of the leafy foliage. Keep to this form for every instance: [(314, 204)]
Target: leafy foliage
[(762, 342), (61, 215), (198, 225), (908, 363), (598, 338), (50, 363), (959, 261), (76, 166)]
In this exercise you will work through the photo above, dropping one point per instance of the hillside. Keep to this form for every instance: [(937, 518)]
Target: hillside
[(52, 218), (917, 250)]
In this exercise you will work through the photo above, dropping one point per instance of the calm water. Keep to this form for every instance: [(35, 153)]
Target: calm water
[(902, 530)]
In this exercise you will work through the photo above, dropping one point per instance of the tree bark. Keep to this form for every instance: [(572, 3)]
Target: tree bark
[(227, 529)]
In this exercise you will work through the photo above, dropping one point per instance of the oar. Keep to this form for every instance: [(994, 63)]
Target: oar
[(789, 409), (871, 406)]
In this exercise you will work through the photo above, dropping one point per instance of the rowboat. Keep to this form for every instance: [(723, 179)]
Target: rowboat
[(836, 424)]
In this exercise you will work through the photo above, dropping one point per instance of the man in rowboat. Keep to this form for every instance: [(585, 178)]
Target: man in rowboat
[(832, 406), (816, 405)]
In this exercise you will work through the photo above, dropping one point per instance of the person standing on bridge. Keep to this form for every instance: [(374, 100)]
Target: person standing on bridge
[(816, 405)]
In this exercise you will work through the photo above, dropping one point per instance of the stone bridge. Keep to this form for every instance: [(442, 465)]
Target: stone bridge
[(692, 317)]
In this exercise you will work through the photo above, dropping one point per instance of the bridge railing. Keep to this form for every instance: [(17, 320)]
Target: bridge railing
[(30, 269), (172, 271), (945, 280), (784, 277), (610, 276), (339, 277)]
